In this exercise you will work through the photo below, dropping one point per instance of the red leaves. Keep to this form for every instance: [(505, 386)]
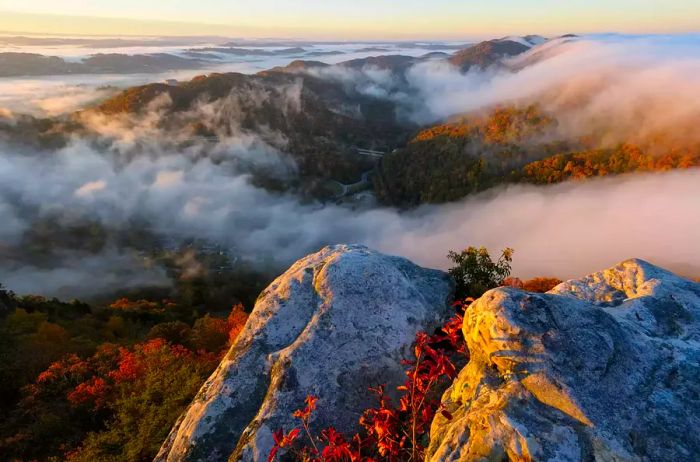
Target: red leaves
[(92, 384), (129, 367), (305, 414), (432, 367), (453, 334), (93, 391), (391, 433), (337, 448), (382, 426), (282, 440), (68, 367)]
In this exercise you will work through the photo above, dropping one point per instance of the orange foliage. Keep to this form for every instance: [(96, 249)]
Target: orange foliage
[(601, 162), (516, 283), (235, 322), (451, 130), (71, 365), (541, 284), (502, 125), (94, 390), (135, 305), (129, 366)]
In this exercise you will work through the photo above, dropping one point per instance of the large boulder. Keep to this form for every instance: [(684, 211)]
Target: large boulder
[(605, 368), (336, 323)]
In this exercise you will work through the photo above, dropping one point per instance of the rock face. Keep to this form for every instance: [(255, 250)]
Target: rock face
[(335, 323), (605, 368)]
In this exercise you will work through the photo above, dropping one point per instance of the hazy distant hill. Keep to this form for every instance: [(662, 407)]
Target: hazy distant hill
[(297, 65), (486, 54), (15, 64), (394, 63), (98, 42), (249, 51), (32, 64), (120, 63)]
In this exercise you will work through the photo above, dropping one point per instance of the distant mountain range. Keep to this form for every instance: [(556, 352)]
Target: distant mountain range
[(249, 51), (326, 125), (32, 64), (15, 64), (19, 40), (481, 55)]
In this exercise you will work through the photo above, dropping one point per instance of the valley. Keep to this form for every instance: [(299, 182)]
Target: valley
[(296, 218)]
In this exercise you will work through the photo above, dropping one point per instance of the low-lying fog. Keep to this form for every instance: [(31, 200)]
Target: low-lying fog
[(623, 88)]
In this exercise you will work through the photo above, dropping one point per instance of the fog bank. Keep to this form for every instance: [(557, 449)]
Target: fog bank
[(613, 89)]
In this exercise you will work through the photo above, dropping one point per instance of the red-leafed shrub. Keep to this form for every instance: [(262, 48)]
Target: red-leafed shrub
[(390, 432)]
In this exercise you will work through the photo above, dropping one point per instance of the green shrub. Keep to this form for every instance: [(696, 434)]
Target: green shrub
[(476, 272)]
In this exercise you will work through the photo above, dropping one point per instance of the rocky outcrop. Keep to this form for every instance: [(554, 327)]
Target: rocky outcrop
[(605, 368), (335, 323)]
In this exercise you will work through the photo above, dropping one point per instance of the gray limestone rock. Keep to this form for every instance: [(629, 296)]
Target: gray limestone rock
[(337, 322), (604, 368)]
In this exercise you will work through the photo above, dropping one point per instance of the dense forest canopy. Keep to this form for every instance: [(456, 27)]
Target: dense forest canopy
[(85, 382), (510, 144)]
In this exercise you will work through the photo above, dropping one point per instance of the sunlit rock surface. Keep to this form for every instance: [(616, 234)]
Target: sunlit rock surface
[(335, 323), (605, 368)]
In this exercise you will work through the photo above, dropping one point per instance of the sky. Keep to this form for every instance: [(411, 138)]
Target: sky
[(356, 19)]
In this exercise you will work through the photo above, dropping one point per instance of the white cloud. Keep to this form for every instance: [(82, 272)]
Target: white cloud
[(88, 189), (168, 179)]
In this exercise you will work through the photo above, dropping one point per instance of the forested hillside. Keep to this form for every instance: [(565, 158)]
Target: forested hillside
[(89, 382), (509, 144)]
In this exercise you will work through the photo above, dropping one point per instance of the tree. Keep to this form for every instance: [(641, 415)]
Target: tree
[(476, 272), (174, 332), (6, 300)]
